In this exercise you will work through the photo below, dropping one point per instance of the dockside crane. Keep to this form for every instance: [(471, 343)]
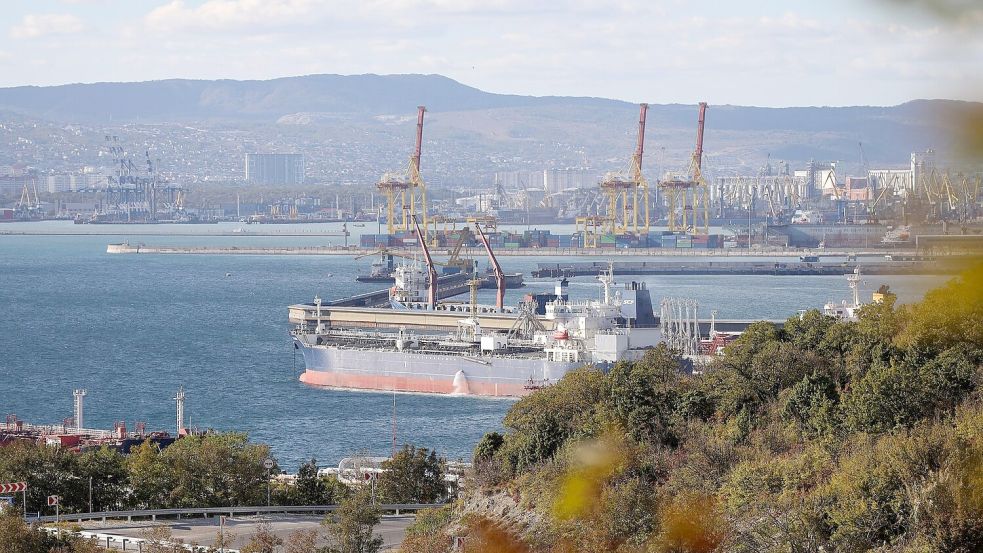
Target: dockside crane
[(623, 194), (431, 269), (688, 196), (499, 274), (407, 193)]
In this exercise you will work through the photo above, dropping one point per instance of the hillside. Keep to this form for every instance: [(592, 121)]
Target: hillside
[(823, 435), (476, 128)]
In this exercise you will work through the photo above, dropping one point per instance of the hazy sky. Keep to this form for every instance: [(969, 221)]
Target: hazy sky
[(767, 52)]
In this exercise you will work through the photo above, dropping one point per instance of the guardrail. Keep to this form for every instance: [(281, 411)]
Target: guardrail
[(152, 514), (111, 541)]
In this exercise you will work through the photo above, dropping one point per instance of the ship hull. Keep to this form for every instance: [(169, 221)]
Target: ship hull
[(390, 370)]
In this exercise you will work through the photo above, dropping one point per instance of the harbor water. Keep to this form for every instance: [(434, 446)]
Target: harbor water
[(131, 329)]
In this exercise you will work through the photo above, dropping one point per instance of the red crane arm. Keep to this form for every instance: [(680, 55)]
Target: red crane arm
[(699, 137), (499, 274), (432, 290), (640, 149), (419, 136)]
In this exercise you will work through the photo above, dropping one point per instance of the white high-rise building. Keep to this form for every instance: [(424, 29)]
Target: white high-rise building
[(275, 169)]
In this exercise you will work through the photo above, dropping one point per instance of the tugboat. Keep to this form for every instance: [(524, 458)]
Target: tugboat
[(381, 270)]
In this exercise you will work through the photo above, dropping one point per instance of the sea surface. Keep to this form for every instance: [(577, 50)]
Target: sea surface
[(132, 329)]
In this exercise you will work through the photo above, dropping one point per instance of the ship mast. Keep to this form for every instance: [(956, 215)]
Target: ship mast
[(607, 279), (854, 280)]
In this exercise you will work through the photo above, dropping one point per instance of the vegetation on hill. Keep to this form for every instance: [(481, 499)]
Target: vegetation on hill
[(823, 435)]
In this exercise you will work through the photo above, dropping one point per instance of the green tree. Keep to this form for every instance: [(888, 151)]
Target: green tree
[(311, 488), (811, 404), (808, 330), (489, 444), (741, 352), (107, 470), (887, 397), (413, 475), (351, 529), (643, 395), (542, 422), (47, 471), (217, 470), (151, 476)]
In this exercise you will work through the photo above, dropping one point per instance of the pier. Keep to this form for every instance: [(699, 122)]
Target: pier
[(128, 248), (769, 268)]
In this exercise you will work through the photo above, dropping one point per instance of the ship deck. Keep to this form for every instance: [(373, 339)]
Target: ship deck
[(382, 318)]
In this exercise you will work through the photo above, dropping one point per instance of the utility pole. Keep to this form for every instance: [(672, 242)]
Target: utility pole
[(90, 494), (394, 423)]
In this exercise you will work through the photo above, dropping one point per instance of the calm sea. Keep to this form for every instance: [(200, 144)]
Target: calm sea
[(131, 329)]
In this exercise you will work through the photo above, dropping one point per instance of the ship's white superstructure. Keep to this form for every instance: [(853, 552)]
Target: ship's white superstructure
[(844, 310)]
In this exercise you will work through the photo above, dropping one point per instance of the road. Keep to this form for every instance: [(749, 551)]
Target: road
[(204, 531)]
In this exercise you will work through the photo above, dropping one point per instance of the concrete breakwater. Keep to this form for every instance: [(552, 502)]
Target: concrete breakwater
[(772, 268), (129, 248)]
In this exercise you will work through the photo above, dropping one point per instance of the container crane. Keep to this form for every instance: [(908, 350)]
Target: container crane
[(688, 196), (407, 193), (623, 194)]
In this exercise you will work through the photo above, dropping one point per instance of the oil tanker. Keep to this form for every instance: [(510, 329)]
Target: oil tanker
[(467, 348)]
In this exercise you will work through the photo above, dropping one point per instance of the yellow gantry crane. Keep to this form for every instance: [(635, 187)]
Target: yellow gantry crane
[(406, 194), (627, 198), (624, 213), (688, 198)]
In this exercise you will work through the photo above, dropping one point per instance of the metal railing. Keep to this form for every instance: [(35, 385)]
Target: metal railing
[(152, 514)]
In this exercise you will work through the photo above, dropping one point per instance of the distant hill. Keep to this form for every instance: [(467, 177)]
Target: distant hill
[(739, 135), (181, 99)]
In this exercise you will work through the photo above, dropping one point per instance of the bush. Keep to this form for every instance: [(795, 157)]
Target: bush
[(413, 475)]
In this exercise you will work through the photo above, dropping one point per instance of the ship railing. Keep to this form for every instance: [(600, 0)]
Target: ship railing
[(357, 336)]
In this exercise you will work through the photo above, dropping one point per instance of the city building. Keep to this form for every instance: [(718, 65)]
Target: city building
[(275, 169)]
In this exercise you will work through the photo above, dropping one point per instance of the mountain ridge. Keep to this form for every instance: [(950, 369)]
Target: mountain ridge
[(273, 98), (471, 122)]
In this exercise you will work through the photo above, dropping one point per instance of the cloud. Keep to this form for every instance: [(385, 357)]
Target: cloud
[(663, 50), (228, 14), (38, 25)]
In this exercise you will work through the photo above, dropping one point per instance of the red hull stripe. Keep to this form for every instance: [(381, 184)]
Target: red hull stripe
[(421, 384)]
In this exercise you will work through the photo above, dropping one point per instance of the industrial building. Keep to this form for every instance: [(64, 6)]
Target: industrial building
[(275, 169)]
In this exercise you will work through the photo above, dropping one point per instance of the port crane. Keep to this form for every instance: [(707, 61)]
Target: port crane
[(431, 271), (407, 193), (29, 205), (624, 214), (499, 274), (688, 197)]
